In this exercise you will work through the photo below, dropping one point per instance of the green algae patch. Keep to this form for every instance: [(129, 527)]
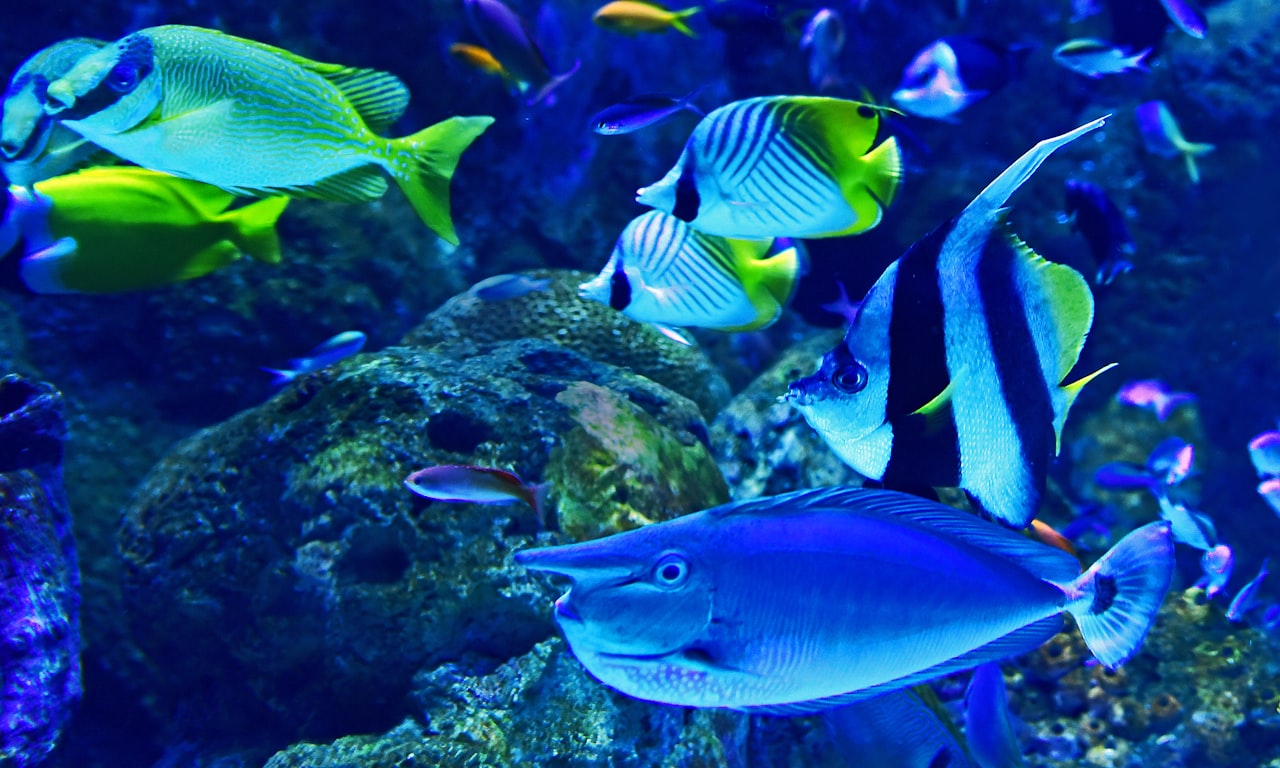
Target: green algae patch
[(361, 462), (618, 468)]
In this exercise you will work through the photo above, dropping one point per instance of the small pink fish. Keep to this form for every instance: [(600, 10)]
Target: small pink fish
[(1153, 394), (477, 485)]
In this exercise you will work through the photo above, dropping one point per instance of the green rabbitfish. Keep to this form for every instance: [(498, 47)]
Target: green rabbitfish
[(258, 120)]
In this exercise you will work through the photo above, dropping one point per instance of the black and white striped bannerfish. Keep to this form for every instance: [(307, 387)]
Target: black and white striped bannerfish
[(782, 166), (951, 373), (663, 271)]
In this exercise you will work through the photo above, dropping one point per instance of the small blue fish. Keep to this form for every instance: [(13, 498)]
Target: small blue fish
[(1095, 58), (955, 72), (1216, 564), (987, 725), (504, 287), (1187, 16), (1195, 529), (328, 352), (1153, 394), (1162, 136), (1269, 490), (1098, 219), (1123, 476), (817, 599), (641, 112), (1247, 598), (909, 728), (1171, 461), (1264, 452), (823, 37)]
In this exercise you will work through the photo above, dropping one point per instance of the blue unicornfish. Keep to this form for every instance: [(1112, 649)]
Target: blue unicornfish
[(326, 353), (258, 120), (1153, 394), (121, 228), (1094, 216), (955, 72), (988, 727), (664, 271), (953, 372), (782, 166), (820, 598)]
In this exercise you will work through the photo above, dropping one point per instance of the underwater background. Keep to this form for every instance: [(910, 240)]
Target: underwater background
[(256, 585)]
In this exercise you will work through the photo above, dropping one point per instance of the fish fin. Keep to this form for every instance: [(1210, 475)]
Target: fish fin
[(280, 376), (544, 93), (255, 228), (677, 20), (423, 164), (1015, 643), (207, 260), (774, 273), (538, 500), (1068, 298), (868, 175), (361, 184), (1115, 601), (379, 97), (938, 411), (41, 271), (1070, 392), (978, 216)]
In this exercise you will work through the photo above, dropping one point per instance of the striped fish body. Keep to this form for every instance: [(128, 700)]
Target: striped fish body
[(254, 119), (664, 271), (952, 372), (782, 166)]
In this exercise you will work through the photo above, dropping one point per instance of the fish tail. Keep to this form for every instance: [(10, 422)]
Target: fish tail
[(423, 164), (280, 377), (1115, 601), (1070, 392), (677, 21), (538, 500), (1165, 406), (255, 228), (555, 82)]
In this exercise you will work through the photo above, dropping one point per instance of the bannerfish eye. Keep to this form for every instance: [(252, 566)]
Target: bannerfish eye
[(671, 571), (850, 378)]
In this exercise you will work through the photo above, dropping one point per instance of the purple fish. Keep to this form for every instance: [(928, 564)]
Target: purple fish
[(1264, 452), (1123, 476), (842, 305), (641, 112), (1153, 394), (1247, 598), (508, 38), (1217, 564), (477, 485), (1171, 461)]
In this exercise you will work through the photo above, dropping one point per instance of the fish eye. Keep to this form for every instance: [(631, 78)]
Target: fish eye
[(123, 77), (670, 571), (850, 378)]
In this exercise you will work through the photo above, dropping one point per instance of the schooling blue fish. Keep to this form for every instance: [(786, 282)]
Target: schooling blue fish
[(955, 72), (1195, 529), (952, 374), (987, 725), (1101, 223), (508, 39), (641, 112), (1269, 490), (782, 166), (1095, 58), (504, 287), (1169, 464), (1247, 598), (817, 599), (325, 354), (1216, 564)]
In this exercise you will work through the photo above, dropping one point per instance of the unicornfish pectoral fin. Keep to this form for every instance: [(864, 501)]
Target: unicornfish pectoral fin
[(423, 164)]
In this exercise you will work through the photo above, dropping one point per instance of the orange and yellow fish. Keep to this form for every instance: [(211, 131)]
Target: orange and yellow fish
[(632, 16)]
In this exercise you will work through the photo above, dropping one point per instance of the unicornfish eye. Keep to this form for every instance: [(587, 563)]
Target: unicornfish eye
[(670, 571), (123, 77), (850, 378)]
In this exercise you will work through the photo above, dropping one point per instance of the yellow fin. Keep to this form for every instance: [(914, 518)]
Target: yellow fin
[(1071, 392), (769, 280), (1070, 302), (255, 228), (207, 260), (423, 164), (938, 410), (678, 17)]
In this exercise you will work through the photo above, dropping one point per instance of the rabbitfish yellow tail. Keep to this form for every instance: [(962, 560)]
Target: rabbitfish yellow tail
[(423, 164)]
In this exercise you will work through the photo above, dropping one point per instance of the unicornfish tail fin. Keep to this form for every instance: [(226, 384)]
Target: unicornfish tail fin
[(423, 164), (1115, 601), (254, 230)]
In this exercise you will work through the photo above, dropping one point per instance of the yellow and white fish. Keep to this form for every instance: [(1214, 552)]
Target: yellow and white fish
[(254, 119)]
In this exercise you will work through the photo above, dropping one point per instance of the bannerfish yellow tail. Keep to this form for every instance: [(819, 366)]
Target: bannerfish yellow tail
[(423, 165)]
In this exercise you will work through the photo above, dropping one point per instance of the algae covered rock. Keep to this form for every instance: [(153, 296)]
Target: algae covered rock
[(283, 545), (619, 468), (587, 327)]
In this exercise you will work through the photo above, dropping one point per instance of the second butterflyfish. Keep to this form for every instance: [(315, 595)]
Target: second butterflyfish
[(952, 372), (782, 166), (257, 120), (664, 271)]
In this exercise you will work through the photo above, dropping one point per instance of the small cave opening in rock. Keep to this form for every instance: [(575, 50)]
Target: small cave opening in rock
[(457, 432)]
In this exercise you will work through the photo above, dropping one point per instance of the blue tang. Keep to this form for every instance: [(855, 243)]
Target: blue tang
[(820, 598)]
